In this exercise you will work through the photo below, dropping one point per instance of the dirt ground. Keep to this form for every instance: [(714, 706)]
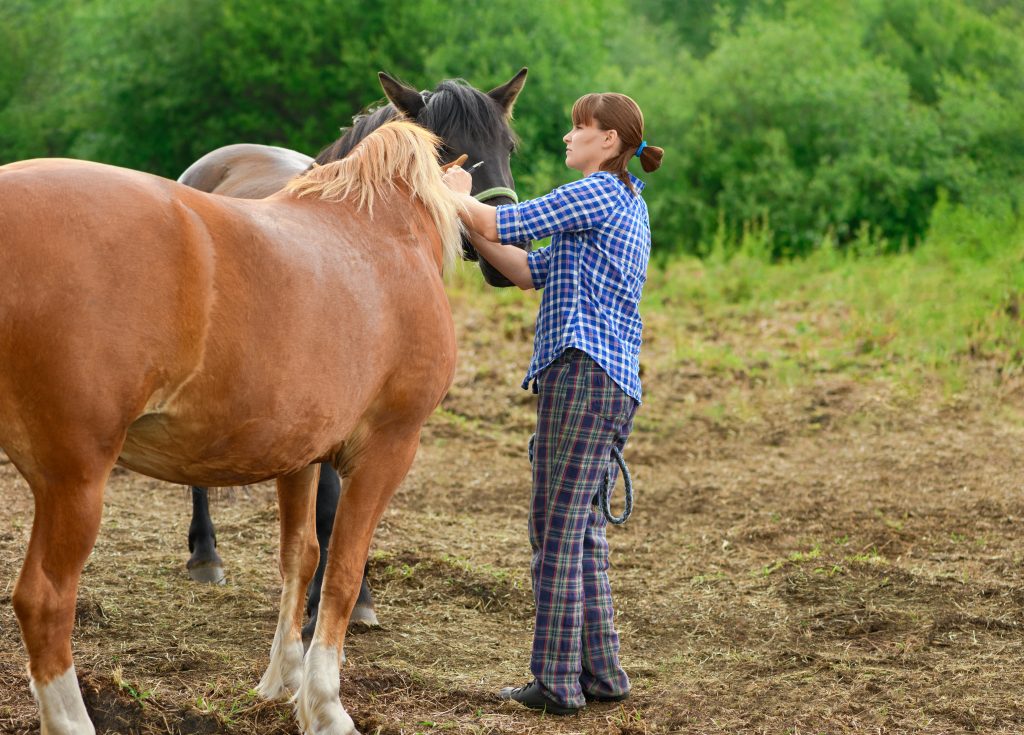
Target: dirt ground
[(842, 556)]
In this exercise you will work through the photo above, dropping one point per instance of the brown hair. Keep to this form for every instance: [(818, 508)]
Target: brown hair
[(612, 111)]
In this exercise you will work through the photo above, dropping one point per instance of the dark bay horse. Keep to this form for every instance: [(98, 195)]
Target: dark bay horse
[(202, 339), (467, 121), (245, 170)]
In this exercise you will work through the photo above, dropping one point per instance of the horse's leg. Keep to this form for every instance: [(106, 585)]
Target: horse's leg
[(328, 492), (205, 564), (68, 505), (298, 558), (383, 463), (327, 495)]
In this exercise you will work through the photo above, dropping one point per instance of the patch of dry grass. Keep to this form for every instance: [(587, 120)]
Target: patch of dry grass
[(836, 555)]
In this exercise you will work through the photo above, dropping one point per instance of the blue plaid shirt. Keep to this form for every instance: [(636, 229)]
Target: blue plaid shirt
[(592, 273)]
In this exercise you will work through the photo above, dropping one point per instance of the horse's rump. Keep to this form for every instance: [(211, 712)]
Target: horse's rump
[(98, 272), (245, 170)]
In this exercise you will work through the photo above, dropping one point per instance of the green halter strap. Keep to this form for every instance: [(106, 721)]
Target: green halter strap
[(496, 191)]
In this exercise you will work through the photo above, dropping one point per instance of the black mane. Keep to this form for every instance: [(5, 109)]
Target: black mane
[(454, 110)]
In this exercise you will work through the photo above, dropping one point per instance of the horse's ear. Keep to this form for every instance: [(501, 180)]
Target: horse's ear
[(506, 94), (406, 99)]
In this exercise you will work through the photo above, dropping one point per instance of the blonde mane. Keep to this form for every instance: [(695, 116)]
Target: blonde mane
[(397, 151)]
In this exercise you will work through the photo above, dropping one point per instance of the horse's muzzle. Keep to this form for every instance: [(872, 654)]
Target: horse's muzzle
[(492, 275)]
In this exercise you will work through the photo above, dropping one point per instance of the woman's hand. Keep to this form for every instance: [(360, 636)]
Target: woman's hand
[(458, 180), (477, 217)]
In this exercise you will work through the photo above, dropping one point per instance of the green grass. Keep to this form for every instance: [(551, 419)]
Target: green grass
[(953, 302), (942, 313)]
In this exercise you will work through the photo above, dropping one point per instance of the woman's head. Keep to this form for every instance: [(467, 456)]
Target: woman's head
[(620, 120)]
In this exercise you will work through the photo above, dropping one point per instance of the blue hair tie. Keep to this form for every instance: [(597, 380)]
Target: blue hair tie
[(641, 149)]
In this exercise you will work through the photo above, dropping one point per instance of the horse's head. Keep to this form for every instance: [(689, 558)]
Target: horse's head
[(475, 123)]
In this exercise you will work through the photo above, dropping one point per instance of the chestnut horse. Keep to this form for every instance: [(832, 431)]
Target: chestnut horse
[(203, 339), (467, 120)]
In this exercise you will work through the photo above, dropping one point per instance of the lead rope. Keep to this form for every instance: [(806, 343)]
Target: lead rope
[(604, 495)]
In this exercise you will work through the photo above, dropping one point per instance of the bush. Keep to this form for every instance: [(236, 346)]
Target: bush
[(807, 121), (820, 131)]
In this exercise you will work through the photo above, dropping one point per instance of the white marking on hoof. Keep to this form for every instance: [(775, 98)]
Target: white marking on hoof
[(364, 615), (284, 672), (318, 704), (61, 709), (208, 574)]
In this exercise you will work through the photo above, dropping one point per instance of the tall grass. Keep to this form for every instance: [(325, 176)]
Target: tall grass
[(949, 311), (943, 310)]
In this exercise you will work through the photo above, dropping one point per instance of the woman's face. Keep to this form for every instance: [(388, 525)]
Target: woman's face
[(587, 147)]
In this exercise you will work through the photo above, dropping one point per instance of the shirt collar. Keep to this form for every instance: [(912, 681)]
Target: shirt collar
[(638, 184)]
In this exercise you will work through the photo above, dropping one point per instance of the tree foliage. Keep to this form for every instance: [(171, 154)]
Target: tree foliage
[(804, 119)]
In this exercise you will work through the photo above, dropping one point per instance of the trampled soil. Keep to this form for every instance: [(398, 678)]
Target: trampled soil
[(843, 556)]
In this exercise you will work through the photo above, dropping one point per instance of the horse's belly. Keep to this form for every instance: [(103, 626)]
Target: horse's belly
[(253, 451)]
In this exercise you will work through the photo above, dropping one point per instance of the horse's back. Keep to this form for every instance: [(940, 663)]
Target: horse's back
[(245, 170)]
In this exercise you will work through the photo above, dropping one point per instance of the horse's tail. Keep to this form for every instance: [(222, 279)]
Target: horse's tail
[(397, 151)]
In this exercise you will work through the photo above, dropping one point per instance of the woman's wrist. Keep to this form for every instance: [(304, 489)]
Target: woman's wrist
[(480, 218)]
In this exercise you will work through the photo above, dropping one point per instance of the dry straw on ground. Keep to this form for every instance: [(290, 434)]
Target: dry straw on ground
[(834, 558)]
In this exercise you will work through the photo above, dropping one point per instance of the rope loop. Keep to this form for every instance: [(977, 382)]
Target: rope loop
[(604, 495)]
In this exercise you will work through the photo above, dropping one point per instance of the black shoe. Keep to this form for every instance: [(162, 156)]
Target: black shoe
[(533, 696), (606, 697)]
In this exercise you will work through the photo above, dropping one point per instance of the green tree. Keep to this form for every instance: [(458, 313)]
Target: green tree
[(35, 110), (810, 125), (802, 117)]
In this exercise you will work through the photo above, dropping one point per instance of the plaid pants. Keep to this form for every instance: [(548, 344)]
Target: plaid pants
[(581, 414)]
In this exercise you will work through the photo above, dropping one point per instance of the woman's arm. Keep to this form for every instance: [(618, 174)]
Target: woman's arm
[(508, 259), (477, 216), (482, 222), (480, 218)]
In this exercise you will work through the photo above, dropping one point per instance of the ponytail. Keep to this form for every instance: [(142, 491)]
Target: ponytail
[(650, 156)]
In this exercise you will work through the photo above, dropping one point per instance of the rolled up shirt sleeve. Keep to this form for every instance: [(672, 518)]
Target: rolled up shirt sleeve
[(581, 205)]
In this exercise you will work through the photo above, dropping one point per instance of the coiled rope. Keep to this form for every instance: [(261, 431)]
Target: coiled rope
[(604, 495)]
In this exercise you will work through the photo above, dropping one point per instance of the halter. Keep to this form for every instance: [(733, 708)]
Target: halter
[(495, 192), (487, 194)]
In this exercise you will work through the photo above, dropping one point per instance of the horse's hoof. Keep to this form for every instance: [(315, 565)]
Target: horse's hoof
[(207, 574), (273, 692), (364, 615), (283, 676)]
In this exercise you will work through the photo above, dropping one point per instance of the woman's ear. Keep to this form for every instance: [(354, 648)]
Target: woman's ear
[(611, 139)]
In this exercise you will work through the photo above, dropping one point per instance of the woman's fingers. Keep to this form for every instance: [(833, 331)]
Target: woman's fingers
[(458, 180)]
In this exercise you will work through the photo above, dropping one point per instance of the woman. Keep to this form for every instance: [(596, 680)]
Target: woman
[(585, 368)]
